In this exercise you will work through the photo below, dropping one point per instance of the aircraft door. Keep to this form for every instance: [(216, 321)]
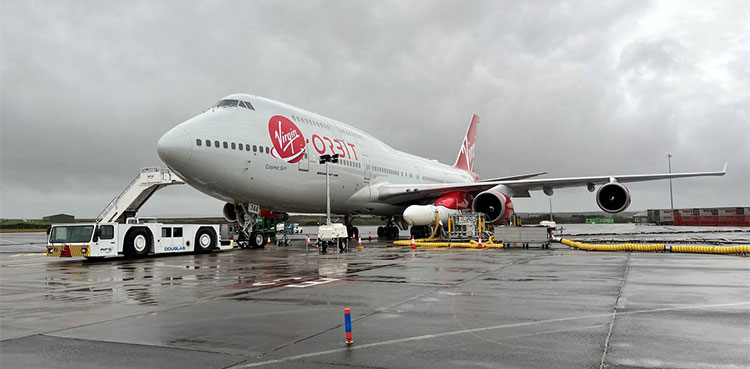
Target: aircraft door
[(367, 174), (304, 164), (366, 168)]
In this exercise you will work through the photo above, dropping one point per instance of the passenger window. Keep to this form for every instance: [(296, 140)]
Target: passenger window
[(234, 147), (208, 143), (166, 232), (255, 148), (177, 231), (225, 145), (198, 141), (267, 151), (260, 149), (106, 232), (216, 143), (239, 146)]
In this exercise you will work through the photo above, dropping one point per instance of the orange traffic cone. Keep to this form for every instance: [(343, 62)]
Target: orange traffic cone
[(479, 244), (359, 242), (307, 240), (269, 241), (413, 245)]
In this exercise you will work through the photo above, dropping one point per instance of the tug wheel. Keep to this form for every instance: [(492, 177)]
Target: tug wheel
[(137, 242), (205, 240), (258, 240)]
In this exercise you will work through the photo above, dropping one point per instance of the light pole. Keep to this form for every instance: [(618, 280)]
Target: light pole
[(328, 159), (671, 199), (550, 209)]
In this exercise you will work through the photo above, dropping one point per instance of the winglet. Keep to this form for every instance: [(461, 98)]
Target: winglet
[(724, 170)]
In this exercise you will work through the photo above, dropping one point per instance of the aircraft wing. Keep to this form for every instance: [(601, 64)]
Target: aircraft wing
[(405, 193), (520, 176)]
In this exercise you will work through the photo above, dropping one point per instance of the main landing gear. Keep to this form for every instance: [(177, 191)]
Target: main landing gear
[(351, 230), (420, 231), (390, 230)]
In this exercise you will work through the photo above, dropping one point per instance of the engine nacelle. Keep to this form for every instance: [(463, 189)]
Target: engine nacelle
[(229, 213), (495, 204), (613, 197)]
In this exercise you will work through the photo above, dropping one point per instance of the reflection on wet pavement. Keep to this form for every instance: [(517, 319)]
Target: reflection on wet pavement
[(550, 308)]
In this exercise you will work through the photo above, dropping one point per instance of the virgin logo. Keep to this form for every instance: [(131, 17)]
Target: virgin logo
[(468, 151), (288, 142)]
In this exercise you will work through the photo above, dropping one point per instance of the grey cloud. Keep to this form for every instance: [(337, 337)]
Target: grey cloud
[(89, 87)]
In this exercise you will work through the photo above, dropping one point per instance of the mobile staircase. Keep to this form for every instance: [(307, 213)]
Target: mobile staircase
[(148, 181)]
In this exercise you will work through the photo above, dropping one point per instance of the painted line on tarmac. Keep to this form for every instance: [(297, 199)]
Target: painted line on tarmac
[(473, 330)]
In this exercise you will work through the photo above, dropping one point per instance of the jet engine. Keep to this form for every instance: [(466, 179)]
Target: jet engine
[(613, 197), (229, 213), (495, 204)]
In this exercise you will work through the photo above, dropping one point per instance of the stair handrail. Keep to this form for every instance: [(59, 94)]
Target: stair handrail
[(113, 203)]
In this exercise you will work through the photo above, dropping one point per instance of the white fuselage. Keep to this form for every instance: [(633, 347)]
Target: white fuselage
[(287, 180)]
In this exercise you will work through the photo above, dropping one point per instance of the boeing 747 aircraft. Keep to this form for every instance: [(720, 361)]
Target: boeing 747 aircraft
[(257, 153)]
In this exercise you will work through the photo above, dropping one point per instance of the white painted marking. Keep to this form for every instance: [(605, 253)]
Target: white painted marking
[(275, 281), (464, 331), (312, 283)]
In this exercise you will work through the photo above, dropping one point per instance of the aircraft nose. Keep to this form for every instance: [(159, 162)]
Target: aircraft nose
[(175, 148)]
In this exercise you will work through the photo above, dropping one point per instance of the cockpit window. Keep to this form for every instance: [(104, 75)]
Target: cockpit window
[(227, 103), (234, 103), (246, 104)]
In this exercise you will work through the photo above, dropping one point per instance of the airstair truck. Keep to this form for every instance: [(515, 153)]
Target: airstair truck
[(118, 232)]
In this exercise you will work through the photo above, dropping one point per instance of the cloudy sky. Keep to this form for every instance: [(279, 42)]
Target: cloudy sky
[(574, 88)]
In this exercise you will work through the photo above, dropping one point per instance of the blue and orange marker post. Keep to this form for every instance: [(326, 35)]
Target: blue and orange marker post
[(348, 325)]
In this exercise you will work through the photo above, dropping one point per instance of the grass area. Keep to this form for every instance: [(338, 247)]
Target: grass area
[(22, 230)]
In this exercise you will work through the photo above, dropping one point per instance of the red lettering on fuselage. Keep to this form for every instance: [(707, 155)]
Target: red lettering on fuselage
[(324, 144)]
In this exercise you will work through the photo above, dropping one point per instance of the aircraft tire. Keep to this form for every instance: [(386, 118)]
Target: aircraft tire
[(381, 232), (393, 232)]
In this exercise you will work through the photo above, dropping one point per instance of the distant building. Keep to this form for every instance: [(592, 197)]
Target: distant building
[(661, 217), (641, 217), (59, 218), (739, 216)]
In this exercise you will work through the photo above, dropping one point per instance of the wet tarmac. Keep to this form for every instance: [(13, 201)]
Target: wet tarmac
[(425, 308)]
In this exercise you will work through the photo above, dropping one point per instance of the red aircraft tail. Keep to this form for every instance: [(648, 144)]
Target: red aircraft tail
[(465, 158)]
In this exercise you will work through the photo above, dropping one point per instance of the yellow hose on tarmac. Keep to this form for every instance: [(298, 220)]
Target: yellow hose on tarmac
[(699, 249)]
